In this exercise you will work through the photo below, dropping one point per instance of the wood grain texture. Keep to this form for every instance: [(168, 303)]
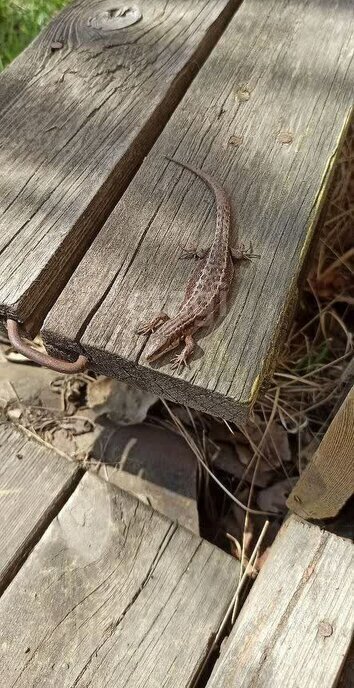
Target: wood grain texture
[(296, 625), (34, 482), (328, 481), (113, 595), (280, 65), (79, 110)]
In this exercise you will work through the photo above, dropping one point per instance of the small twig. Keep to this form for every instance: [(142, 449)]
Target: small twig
[(39, 439), (125, 453), (250, 495), (240, 586), (340, 261)]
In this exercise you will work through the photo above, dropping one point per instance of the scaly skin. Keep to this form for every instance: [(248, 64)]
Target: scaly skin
[(206, 291)]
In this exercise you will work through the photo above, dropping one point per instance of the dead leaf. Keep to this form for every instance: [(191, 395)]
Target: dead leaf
[(61, 439), (15, 357), (234, 523), (225, 458), (263, 474), (14, 414), (273, 498), (272, 448), (120, 402)]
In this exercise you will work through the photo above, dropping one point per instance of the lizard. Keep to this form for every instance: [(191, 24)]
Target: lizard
[(206, 290)]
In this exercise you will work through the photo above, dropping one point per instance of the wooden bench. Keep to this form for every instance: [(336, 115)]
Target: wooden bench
[(80, 110), (265, 115), (98, 589)]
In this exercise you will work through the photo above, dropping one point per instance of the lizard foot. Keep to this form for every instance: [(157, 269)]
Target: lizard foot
[(193, 252), (181, 360), (152, 325), (240, 252)]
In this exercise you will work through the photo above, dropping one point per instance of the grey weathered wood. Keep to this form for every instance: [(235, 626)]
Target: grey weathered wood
[(297, 623), (34, 483), (114, 594), (279, 66), (328, 481), (171, 504), (79, 109)]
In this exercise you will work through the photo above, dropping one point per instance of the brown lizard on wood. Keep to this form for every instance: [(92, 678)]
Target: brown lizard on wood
[(206, 290)]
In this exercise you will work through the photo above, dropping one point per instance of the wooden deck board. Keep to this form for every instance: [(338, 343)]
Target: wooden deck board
[(279, 67), (34, 482), (328, 481), (296, 626), (79, 109), (113, 594)]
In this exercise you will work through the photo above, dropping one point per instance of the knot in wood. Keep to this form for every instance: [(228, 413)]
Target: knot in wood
[(115, 17)]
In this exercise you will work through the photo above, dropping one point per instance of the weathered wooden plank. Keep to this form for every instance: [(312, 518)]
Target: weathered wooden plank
[(114, 594), (79, 110), (34, 483), (279, 67), (328, 481), (296, 625)]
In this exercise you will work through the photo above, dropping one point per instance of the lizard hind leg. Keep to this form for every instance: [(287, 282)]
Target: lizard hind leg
[(152, 325)]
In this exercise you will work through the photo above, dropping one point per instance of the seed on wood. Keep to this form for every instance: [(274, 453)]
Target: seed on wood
[(325, 629), (235, 140), (285, 137), (56, 45), (243, 94)]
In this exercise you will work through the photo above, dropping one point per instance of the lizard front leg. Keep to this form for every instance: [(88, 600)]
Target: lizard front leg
[(152, 325), (181, 359), (194, 252)]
